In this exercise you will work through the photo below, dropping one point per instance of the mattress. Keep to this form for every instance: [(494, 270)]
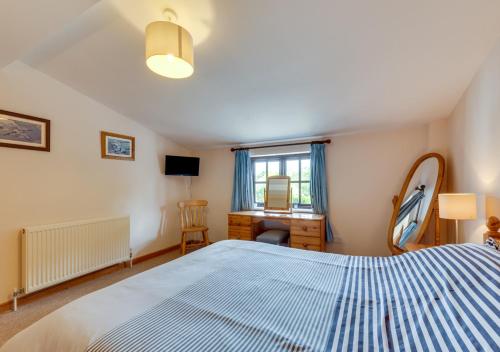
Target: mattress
[(248, 296)]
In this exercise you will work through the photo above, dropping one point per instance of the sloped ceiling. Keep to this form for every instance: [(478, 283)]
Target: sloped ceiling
[(23, 24), (275, 69)]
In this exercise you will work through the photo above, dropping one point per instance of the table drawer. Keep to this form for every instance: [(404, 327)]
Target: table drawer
[(239, 220), (240, 233), (307, 246), (306, 228), (239, 237), (315, 241)]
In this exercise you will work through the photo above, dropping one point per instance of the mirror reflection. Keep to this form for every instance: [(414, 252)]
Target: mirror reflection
[(277, 193), (415, 204)]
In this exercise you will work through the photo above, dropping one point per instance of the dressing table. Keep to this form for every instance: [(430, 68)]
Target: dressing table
[(303, 230), (307, 231)]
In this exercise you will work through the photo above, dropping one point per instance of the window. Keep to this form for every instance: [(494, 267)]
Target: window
[(297, 166)]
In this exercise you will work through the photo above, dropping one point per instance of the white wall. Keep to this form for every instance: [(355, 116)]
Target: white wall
[(72, 182), (475, 145), (215, 184), (365, 171)]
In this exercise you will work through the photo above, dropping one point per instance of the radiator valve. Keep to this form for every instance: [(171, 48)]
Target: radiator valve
[(15, 295)]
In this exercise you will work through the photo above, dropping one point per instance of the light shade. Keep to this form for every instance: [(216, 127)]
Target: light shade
[(458, 206), (169, 50)]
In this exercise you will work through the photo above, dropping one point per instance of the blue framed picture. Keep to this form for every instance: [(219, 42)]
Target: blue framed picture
[(24, 131), (117, 146)]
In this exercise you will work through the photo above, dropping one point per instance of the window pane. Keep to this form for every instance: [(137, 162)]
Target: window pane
[(259, 192), (273, 168), (260, 171), (305, 166), (305, 195), (295, 193), (292, 169)]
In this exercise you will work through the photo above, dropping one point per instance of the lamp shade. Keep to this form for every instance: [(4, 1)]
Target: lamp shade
[(169, 50), (458, 206)]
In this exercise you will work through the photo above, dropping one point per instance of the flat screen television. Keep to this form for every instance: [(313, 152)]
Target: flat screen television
[(181, 165)]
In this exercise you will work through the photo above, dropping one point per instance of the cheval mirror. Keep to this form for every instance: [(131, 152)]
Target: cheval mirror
[(416, 204), (277, 194)]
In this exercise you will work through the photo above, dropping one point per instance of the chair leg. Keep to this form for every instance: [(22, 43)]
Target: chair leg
[(183, 243), (205, 237)]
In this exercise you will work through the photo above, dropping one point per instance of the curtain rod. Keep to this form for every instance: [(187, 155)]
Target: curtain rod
[(325, 141)]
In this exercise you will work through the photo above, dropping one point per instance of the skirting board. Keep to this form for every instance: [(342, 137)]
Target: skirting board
[(163, 251), (91, 276)]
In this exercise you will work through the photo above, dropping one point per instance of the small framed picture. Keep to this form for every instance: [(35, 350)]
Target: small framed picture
[(117, 146), (24, 131)]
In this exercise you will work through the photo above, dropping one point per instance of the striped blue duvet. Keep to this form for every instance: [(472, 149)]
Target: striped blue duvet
[(270, 298)]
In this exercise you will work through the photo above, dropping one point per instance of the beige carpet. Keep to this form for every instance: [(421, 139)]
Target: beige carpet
[(31, 311)]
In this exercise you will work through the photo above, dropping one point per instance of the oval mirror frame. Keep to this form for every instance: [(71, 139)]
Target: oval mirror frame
[(397, 204)]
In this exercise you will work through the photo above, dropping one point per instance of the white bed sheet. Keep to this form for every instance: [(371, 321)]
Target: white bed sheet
[(76, 325)]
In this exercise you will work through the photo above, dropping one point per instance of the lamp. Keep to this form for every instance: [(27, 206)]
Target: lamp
[(169, 48), (457, 206)]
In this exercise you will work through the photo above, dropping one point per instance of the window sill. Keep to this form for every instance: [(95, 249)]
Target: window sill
[(294, 210), (302, 210)]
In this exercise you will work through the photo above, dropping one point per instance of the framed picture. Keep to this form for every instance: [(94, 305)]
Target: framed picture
[(24, 131), (117, 146)]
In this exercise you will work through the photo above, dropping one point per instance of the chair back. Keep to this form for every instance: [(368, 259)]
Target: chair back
[(193, 213)]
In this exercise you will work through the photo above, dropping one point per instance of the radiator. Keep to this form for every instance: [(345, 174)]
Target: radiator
[(52, 254)]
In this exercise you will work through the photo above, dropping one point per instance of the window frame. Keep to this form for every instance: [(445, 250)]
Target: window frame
[(282, 158)]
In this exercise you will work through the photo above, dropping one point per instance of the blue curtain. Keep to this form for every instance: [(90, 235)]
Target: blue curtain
[(409, 205), (242, 182), (319, 191), (407, 232)]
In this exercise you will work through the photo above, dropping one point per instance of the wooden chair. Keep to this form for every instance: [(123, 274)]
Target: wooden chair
[(193, 220)]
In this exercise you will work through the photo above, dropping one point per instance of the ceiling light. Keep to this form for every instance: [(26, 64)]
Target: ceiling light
[(169, 48)]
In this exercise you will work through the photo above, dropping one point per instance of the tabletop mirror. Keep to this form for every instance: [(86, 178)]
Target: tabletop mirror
[(277, 194), (416, 204)]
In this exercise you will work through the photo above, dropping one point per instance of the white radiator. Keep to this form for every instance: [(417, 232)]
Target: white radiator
[(52, 254)]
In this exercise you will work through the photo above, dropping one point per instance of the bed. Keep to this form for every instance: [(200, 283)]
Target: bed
[(249, 296)]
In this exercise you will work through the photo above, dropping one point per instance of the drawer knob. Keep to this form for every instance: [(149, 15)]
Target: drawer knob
[(304, 228), (305, 245)]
